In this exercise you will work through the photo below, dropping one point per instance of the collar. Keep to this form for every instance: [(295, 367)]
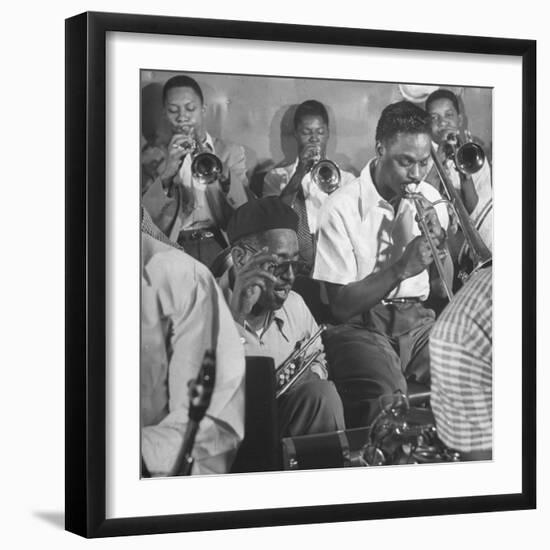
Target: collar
[(209, 140), (272, 317), (368, 194)]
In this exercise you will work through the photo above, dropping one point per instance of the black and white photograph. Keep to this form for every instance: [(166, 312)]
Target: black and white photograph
[(316, 273), (295, 290)]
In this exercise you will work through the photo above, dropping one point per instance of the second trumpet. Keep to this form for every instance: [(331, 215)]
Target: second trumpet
[(206, 167), (296, 364), (325, 173)]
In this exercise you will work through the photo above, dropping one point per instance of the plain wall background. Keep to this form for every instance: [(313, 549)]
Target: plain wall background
[(257, 112), (32, 300)]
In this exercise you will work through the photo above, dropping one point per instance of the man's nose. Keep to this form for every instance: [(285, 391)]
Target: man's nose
[(289, 273), (415, 173)]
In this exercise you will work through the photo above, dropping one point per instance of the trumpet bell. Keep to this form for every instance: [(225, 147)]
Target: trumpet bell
[(326, 175), (206, 168), (469, 158)]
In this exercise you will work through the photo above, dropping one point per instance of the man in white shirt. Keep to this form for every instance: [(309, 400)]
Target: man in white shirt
[(374, 263), (293, 183), (475, 190), (188, 211), (183, 313)]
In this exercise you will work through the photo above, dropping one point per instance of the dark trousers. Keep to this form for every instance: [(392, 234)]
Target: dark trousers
[(311, 406), (375, 358)]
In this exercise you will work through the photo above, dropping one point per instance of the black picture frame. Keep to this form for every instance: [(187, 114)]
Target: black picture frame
[(86, 269)]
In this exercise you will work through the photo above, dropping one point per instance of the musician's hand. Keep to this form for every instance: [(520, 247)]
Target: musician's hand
[(176, 153), (308, 156), (448, 138), (224, 181), (437, 233), (415, 259), (453, 219), (251, 280)]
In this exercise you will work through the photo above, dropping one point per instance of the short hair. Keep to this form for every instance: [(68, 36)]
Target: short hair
[(181, 81), (311, 107), (443, 94), (402, 117)]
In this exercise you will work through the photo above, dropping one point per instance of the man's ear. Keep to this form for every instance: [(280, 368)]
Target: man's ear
[(460, 120), (238, 255), (379, 149)]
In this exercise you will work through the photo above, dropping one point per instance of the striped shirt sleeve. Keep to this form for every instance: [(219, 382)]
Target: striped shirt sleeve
[(461, 367)]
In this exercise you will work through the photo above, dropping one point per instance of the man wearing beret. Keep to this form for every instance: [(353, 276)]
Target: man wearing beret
[(272, 319)]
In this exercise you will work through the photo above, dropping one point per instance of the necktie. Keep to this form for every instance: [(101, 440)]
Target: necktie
[(305, 238)]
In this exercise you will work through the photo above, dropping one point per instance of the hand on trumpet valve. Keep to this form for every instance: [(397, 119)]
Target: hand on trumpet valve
[(308, 156), (177, 149), (416, 258), (431, 221)]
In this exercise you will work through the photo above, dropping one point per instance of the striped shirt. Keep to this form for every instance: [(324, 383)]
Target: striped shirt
[(461, 367)]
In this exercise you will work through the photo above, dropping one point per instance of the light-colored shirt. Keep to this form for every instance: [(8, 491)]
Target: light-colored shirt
[(183, 313), (286, 327), (461, 367), (360, 234), (278, 178)]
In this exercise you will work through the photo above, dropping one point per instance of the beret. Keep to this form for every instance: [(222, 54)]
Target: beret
[(259, 215)]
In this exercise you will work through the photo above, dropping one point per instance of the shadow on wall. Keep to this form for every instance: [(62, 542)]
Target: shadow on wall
[(258, 112), (151, 111)]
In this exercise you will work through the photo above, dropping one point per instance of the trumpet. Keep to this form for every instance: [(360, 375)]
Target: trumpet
[(296, 364), (205, 167), (469, 158), (418, 201), (325, 173)]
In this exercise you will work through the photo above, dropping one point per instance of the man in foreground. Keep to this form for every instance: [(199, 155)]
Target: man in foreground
[(183, 314), (461, 355)]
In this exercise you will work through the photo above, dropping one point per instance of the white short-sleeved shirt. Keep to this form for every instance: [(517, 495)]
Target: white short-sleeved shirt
[(359, 234), (277, 179)]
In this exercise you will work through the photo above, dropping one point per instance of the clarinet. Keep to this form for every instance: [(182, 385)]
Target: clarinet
[(200, 394)]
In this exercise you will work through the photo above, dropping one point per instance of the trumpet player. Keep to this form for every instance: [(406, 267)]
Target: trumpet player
[(476, 190), (377, 267), (272, 320), (191, 212), (293, 182)]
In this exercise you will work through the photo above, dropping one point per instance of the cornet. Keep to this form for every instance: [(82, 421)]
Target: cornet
[(205, 167), (418, 201), (296, 364), (325, 173)]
